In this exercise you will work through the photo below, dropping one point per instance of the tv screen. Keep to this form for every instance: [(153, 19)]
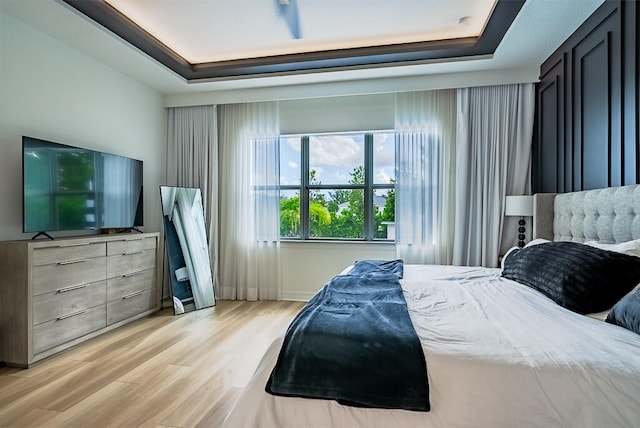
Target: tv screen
[(71, 188)]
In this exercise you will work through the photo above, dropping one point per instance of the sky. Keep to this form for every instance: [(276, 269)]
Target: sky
[(335, 156)]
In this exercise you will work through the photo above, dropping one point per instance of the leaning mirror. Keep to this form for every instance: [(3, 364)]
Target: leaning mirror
[(186, 249)]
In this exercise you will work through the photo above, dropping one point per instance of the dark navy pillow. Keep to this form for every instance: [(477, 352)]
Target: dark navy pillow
[(578, 277), (626, 313)]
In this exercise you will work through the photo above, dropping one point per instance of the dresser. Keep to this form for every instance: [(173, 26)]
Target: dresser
[(56, 294)]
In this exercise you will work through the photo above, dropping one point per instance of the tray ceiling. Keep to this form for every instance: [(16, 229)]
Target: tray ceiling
[(215, 39)]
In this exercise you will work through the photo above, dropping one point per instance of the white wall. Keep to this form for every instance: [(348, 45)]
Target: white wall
[(387, 85), (51, 91), (307, 266), (336, 114)]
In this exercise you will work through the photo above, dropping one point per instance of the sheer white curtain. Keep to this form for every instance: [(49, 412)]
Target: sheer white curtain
[(249, 201), (192, 161), (425, 174), (494, 134)]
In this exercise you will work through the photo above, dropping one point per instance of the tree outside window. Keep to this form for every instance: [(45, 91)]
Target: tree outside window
[(337, 186)]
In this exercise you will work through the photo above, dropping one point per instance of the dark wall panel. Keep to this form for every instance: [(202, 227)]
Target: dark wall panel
[(591, 116), (550, 129), (548, 154), (587, 106), (631, 93)]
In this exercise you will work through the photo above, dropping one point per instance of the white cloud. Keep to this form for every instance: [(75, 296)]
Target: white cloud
[(382, 177), (334, 157), (292, 164), (336, 150), (293, 143), (342, 177), (384, 152), (288, 181)]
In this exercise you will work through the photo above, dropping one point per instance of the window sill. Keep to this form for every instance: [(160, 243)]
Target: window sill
[(335, 241)]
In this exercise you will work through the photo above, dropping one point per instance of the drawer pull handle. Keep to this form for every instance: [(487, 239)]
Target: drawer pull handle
[(72, 287), (73, 245), (128, 296), (72, 314), (130, 253), (127, 275), (70, 262)]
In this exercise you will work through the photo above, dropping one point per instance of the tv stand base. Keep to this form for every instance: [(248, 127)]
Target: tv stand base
[(45, 234)]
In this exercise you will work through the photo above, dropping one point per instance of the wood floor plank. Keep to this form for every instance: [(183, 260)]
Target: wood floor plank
[(163, 370), (20, 385), (99, 409), (36, 418), (217, 413), (191, 407), (86, 381), (150, 399)]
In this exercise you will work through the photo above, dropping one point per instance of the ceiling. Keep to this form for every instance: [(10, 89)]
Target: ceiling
[(260, 48), (214, 39), (202, 31)]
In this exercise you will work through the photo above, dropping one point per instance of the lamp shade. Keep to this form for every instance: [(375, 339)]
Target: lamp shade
[(519, 205)]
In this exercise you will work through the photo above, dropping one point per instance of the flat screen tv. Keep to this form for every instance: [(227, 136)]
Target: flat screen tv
[(71, 188)]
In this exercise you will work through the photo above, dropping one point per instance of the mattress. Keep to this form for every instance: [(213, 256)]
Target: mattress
[(498, 353)]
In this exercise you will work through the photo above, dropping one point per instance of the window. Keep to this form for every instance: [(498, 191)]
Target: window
[(337, 186)]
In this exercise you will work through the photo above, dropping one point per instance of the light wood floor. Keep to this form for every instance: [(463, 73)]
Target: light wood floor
[(164, 370)]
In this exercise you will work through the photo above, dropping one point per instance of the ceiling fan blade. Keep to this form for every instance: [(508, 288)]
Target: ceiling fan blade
[(288, 10)]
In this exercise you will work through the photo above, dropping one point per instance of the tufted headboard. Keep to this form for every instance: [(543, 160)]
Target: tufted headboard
[(609, 215)]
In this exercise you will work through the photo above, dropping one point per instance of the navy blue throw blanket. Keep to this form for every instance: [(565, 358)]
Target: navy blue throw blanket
[(354, 343)]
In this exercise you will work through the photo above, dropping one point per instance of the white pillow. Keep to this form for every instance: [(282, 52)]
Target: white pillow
[(600, 316), (631, 248), (528, 244), (537, 241), (509, 251)]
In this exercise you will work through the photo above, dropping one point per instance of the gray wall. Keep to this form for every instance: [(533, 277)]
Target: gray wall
[(51, 91)]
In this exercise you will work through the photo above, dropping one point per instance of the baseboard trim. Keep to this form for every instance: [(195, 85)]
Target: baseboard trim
[(297, 296)]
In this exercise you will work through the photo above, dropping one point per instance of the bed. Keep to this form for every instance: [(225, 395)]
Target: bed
[(500, 353)]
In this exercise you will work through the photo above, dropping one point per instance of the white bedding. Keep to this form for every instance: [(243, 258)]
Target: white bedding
[(498, 355)]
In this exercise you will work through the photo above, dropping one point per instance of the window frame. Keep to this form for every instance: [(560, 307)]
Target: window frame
[(369, 187)]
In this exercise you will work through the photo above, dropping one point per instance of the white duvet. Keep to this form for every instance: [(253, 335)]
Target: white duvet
[(498, 355)]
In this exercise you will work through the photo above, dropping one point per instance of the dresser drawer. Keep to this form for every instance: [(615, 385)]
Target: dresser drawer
[(63, 274), (67, 327), (129, 246), (53, 294), (124, 285), (68, 252), (123, 264), (130, 305), (49, 306)]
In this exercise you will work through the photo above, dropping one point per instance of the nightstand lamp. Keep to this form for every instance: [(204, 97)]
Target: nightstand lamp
[(519, 206)]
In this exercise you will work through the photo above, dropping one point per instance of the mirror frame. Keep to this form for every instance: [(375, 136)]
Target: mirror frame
[(186, 249)]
